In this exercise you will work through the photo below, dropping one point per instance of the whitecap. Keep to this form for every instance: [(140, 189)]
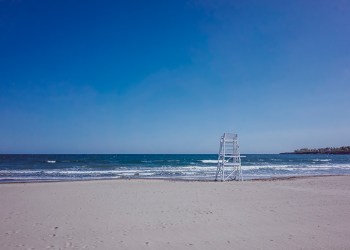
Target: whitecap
[(209, 161), (325, 160)]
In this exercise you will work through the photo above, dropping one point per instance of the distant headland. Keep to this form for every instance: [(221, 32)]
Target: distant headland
[(340, 150)]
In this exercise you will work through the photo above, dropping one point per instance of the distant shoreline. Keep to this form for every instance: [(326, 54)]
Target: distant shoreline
[(313, 153), (344, 150)]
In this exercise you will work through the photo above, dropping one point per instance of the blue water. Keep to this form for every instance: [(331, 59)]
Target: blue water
[(187, 166)]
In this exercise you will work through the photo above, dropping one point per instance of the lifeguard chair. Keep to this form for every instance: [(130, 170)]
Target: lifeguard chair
[(229, 160)]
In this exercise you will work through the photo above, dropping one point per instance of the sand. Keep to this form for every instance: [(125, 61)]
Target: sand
[(303, 213)]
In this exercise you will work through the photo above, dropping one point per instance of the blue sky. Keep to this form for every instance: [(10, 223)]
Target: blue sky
[(172, 76)]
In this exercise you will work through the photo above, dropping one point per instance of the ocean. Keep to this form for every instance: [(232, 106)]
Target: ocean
[(61, 167)]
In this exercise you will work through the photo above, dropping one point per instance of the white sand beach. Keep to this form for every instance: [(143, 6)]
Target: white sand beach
[(301, 213)]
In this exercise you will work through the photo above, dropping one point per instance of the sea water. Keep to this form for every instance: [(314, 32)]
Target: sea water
[(169, 166)]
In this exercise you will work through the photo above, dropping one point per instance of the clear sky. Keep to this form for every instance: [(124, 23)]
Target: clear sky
[(172, 76)]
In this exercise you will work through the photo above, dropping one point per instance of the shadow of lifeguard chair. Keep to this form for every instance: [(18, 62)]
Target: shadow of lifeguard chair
[(229, 160)]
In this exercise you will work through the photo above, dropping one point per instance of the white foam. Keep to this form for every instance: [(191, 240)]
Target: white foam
[(324, 160), (209, 161), (213, 161), (189, 171), (51, 161)]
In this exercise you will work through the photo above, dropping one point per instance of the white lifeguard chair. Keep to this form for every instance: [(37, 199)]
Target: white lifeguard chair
[(229, 160)]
